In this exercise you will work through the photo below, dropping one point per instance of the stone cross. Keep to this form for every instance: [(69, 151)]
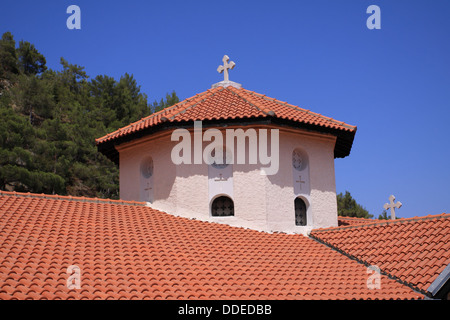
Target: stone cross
[(392, 206), (300, 181), (226, 66)]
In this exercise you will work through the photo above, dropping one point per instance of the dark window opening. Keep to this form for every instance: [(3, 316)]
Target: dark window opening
[(222, 207), (300, 212)]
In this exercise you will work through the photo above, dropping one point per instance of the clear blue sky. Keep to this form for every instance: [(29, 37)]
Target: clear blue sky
[(393, 83)]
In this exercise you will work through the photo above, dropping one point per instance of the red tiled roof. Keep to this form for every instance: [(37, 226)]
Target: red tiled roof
[(130, 251), (231, 103), (413, 250), (351, 221)]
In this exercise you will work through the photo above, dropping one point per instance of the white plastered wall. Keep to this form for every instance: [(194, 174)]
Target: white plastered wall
[(261, 202), (320, 197)]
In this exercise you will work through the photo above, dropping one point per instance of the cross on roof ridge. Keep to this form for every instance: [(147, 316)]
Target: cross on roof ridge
[(225, 68), (391, 205)]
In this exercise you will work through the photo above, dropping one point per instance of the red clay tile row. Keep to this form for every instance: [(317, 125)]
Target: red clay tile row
[(414, 250), (136, 252), (352, 221), (71, 198)]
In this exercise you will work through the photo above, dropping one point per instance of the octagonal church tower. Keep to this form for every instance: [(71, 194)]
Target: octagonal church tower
[(234, 156)]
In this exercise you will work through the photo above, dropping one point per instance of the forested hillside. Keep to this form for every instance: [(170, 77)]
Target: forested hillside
[(49, 121)]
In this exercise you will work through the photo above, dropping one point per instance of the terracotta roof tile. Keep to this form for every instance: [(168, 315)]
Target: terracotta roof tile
[(347, 221), (414, 250), (131, 251)]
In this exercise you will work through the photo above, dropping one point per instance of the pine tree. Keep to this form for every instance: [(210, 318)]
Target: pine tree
[(50, 120), (30, 61), (171, 99), (348, 207), (8, 57)]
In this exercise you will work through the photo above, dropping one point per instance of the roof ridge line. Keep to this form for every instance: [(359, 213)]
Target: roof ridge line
[(71, 198), (172, 116), (253, 104), (356, 218), (367, 264), (285, 103), (386, 222)]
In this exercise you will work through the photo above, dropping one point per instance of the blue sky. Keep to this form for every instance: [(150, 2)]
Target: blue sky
[(393, 83)]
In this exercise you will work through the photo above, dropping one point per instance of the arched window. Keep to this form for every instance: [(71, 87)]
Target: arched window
[(222, 206), (300, 212)]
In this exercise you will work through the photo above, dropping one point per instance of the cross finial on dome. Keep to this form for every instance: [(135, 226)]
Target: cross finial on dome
[(224, 68)]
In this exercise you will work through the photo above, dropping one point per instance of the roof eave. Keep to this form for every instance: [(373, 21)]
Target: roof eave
[(342, 148)]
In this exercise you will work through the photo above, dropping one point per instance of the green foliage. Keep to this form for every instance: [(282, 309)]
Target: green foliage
[(348, 207), (30, 60), (8, 56), (50, 119), (171, 99)]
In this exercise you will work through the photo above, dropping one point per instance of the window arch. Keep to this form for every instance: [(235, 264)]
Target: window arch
[(300, 212), (222, 206)]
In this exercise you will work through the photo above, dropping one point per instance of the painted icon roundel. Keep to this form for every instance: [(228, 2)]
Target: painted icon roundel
[(147, 167), (297, 159), (226, 158)]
